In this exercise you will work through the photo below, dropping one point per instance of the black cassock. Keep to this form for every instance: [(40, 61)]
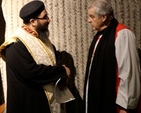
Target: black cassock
[(25, 79)]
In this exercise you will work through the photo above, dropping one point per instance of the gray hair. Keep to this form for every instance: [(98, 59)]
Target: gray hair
[(102, 7)]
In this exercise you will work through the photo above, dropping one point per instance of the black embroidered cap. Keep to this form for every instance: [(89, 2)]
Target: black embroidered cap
[(31, 9)]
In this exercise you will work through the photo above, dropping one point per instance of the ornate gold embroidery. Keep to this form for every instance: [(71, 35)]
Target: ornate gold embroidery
[(34, 33)]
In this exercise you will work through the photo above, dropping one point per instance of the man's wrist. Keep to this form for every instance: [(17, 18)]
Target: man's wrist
[(123, 109)]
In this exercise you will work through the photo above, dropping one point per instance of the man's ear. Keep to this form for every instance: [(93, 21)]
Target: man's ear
[(33, 22), (104, 18)]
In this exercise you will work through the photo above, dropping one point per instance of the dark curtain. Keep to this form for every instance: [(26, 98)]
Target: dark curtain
[(2, 35), (139, 104)]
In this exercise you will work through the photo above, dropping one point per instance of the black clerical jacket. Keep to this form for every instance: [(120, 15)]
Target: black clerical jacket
[(25, 79)]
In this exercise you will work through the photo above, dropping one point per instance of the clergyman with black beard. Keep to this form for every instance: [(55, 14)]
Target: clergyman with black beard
[(33, 64)]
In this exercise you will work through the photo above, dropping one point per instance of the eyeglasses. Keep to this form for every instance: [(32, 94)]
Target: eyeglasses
[(44, 18)]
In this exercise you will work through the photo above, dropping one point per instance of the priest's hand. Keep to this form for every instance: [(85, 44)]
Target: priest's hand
[(67, 71), (122, 110)]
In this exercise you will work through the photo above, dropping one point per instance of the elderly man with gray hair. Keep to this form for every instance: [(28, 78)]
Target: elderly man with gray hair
[(112, 83)]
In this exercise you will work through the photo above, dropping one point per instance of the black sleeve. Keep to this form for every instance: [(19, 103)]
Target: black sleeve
[(25, 68)]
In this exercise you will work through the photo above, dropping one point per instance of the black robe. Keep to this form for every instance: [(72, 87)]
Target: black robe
[(25, 79)]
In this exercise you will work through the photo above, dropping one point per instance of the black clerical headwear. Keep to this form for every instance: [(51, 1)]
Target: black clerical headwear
[(31, 10)]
